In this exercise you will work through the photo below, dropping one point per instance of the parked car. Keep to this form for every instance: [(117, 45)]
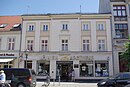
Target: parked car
[(127, 85), (118, 80), (20, 77)]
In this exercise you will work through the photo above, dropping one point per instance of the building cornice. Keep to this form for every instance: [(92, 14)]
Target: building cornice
[(65, 16)]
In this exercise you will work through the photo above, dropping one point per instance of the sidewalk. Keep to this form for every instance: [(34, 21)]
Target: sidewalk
[(68, 84), (71, 84)]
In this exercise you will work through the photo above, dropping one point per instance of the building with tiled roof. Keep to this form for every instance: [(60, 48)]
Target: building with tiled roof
[(10, 34)]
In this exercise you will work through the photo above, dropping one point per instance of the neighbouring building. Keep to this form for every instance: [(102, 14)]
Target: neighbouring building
[(120, 20), (10, 31), (58, 43)]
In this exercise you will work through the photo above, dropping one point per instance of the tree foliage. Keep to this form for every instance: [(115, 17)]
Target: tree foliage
[(126, 53)]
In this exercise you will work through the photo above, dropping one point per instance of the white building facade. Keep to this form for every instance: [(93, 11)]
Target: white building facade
[(120, 28), (58, 43)]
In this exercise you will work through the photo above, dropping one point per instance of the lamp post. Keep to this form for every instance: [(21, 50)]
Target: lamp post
[(26, 56)]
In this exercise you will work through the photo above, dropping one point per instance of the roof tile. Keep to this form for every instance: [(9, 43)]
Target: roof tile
[(10, 21)]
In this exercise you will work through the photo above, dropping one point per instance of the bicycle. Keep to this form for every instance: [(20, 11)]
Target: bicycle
[(5, 84), (47, 82)]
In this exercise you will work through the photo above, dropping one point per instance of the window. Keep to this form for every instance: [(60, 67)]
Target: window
[(45, 27), (86, 69), (7, 64), (85, 26), (120, 13), (100, 26), (101, 45), (101, 68), (43, 68), (86, 45), (29, 64), (44, 45), (16, 25), (64, 45), (64, 26), (121, 26), (3, 25), (30, 45), (31, 28), (11, 43), (121, 30), (119, 10)]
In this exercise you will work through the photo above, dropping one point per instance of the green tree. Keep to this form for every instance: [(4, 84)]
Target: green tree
[(126, 53)]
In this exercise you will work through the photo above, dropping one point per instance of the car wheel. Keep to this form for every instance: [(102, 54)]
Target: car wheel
[(21, 85)]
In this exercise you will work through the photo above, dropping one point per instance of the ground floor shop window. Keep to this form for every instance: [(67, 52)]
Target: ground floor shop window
[(101, 68), (29, 64), (86, 68), (6, 64), (43, 68)]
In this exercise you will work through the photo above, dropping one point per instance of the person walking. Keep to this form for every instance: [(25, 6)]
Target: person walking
[(70, 75), (73, 75), (2, 78)]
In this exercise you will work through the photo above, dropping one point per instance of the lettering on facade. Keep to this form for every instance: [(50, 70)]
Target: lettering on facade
[(6, 54), (67, 58)]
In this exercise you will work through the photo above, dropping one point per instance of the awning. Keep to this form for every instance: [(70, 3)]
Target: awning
[(6, 60)]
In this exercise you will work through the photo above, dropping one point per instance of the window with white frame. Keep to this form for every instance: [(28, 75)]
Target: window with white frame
[(11, 43), (45, 27), (85, 26), (101, 45), (44, 45), (30, 27), (64, 45), (0, 43), (30, 45), (65, 26), (100, 26), (86, 45)]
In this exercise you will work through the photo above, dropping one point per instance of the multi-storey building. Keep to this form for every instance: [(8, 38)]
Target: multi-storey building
[(58, 43), (10, 31), (120, 29)]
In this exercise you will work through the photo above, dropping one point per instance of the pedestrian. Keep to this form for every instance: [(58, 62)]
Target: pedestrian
[(70, 75), (101, 73), (73, 75), (2, 78)]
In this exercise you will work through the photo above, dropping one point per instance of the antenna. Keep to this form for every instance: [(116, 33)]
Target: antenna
[(28, 9), (80, 8)]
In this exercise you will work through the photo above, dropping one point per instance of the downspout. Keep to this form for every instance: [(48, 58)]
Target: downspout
[(20, 43), (112, 44)]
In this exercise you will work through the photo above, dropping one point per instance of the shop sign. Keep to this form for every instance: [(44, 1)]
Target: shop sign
[(68, 58), (6, 54)]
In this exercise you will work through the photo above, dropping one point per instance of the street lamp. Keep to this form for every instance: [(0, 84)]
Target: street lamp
[(26, 56)]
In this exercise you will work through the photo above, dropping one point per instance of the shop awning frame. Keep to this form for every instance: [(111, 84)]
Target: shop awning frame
[(6, 59)]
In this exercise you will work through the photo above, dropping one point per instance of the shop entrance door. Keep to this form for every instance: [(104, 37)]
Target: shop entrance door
[(63, 69)]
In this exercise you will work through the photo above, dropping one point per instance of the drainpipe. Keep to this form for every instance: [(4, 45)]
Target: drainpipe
[(20, 43), (112, 44)]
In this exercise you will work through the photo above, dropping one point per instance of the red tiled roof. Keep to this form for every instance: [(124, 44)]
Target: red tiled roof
[(10, 21)]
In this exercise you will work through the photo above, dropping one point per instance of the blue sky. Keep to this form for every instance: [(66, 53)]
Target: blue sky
[(19, 7)]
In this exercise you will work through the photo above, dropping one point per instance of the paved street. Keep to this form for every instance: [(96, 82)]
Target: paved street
[(68, 84)]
